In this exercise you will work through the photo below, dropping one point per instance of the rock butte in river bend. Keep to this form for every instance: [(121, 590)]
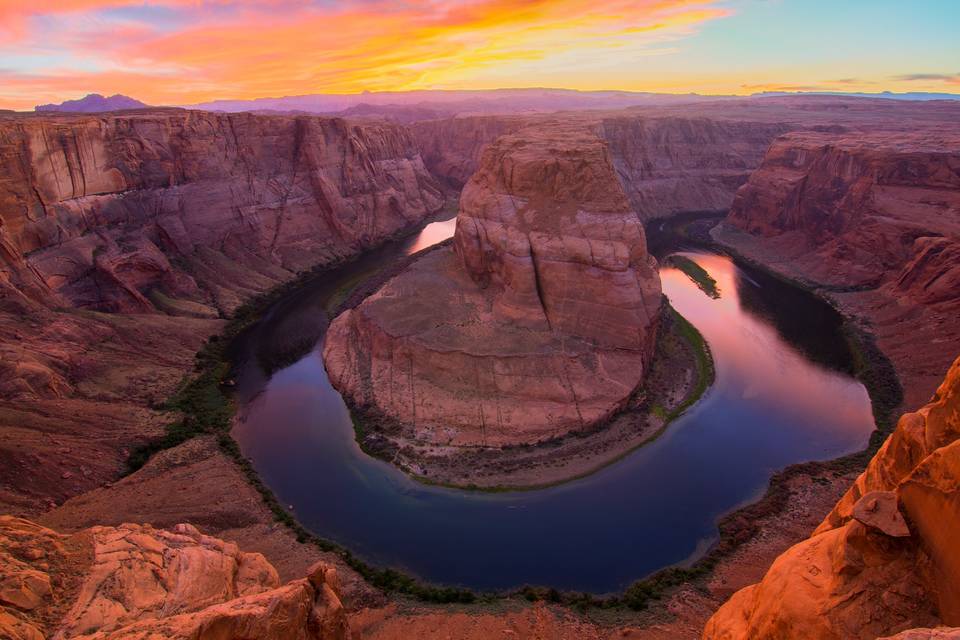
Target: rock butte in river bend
[(77, 387), (541, 320)]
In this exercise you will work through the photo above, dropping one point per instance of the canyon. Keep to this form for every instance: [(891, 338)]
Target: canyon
[(882, 564), (126, 239), (872, 221), (129, 239)]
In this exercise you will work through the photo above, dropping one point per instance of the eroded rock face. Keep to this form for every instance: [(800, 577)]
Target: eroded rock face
[(167, 220), (858, 575), (134, 581), (875, 218), (686, 163), (129, 212), (668, 163), (869, 203), (540, 321)]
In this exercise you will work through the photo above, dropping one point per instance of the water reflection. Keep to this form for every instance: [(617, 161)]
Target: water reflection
[(772, 405), (433, 233), (757, 363)]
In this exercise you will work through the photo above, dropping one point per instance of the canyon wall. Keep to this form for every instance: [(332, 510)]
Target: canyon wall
[(873, 219), (685, 163), (191, 212), (885, 560), (452, 147), (540, 321), (666, 164), (125, 238)]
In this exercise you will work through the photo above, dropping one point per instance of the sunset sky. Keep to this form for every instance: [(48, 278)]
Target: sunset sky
[(187, 51)]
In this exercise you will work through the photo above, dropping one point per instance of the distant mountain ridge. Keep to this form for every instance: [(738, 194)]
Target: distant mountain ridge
[(93, 103), (399, 105), (885, 95), (479, 101), (407, 106)]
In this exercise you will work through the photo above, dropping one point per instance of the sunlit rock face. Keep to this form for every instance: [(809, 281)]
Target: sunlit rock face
[(136, 582), (539, 321), (885, 560)]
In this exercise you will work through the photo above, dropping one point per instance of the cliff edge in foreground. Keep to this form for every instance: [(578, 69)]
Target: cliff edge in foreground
[(136, 582), (885, 560)]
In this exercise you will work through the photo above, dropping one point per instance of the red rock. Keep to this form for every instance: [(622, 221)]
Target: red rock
[(873, 217), (940, 633), (540, 322), (670, 160), (154, 214), (135, 581), (878, 509), (94, 207)]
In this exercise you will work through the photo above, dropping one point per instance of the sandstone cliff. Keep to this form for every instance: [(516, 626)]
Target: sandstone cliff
[(125, 237), (666, 163), (885, 560), (685, 163), (134, 212), (541, 321), (875, 220)]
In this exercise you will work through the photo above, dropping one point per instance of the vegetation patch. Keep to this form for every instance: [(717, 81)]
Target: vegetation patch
[(706, 373), (698, 274)]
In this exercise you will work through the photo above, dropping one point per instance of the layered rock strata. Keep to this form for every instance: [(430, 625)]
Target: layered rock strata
[(170, 209), (875, 220), (539, 321), (885, 560), (667, 163)]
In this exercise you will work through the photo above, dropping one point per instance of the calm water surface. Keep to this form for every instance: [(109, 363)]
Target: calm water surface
[(779, 398)]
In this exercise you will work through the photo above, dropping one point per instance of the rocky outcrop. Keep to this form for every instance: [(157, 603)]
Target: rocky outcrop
[(870, 204), (134, 581), (885, 559), (873, 218), (540, 321)]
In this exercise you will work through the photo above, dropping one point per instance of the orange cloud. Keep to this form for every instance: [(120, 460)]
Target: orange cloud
[(274, 47)]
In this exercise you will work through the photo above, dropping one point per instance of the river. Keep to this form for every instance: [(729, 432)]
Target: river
[(783, 394)]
